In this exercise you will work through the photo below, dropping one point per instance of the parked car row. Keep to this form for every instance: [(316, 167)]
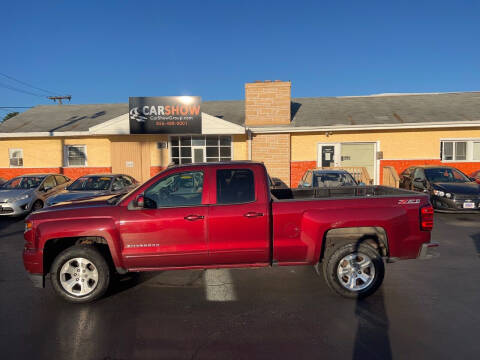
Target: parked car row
[(32, 192), (450, 190)]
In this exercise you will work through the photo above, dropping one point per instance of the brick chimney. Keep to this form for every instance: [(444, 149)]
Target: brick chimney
[(267, 103)]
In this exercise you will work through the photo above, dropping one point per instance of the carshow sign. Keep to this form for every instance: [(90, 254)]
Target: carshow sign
[(165, 115)]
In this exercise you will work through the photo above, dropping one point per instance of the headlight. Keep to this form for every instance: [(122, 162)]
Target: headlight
[(438, 192), (448, 195), (21, 197)]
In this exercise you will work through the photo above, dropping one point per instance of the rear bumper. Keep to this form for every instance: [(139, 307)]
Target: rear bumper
[(428, 251), (38, 280)]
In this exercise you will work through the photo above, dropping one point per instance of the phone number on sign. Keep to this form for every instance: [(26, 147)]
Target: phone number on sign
[(171, 123)]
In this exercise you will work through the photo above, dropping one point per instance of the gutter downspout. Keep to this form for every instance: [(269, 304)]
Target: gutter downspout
[(249, 144)]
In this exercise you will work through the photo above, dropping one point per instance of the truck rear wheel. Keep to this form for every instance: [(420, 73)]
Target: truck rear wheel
[(80, 274), (354, 271)]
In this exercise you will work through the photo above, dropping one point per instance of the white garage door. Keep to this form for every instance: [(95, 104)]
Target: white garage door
[(359, 154)]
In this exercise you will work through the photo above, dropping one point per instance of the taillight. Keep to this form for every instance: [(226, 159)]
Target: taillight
[(426, 218)]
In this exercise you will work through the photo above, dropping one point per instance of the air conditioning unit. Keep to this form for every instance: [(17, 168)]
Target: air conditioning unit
[(16, 162)]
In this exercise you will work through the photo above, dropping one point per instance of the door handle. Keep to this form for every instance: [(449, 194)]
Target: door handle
[(193, 217), (253, 214)]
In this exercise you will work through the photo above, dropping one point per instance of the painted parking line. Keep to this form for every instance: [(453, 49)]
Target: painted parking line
[(219, 285)]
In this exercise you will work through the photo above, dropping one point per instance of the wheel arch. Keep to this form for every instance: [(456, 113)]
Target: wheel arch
[(373, 235), (53, 247)]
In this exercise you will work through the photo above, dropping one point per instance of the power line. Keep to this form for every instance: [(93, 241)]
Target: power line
[(15, 107), (21, 90), (27, 84)]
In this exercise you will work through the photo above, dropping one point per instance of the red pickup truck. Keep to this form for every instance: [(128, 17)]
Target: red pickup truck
[(223, 215)]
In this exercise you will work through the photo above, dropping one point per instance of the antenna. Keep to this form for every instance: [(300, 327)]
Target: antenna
[(60, 98)]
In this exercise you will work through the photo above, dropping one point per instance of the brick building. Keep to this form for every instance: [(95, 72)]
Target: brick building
[(290, 135)]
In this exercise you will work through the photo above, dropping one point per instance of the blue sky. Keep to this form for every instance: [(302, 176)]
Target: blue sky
[(106, 51)]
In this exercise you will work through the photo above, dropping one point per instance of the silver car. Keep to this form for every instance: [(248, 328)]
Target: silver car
[(28, 193)]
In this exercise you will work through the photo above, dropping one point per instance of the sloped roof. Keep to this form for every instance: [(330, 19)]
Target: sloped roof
[(59, 118), (386, 109), (389, 109), (50, 118)]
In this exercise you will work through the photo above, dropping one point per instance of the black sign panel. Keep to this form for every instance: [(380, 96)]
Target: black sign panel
[(165, 115)]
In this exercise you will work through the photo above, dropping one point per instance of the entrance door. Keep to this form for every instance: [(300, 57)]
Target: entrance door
[(198, 154), (131, 158), (328, 155)]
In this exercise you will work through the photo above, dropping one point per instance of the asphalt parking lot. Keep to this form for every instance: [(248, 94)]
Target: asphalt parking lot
[(425, 309)]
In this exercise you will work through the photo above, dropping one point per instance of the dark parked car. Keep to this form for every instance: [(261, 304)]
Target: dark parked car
[(449, 188), (326, 178), (27, 193), (91, 186)]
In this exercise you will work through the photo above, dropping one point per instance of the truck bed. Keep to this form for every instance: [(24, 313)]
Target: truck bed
[(338, 192)]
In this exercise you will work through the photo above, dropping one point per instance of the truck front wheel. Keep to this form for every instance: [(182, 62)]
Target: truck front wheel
[(354, 271), (80, 274)]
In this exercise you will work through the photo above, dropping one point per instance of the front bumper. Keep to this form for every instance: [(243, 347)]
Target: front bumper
[(15, 208), (428, 251), (443, 204)]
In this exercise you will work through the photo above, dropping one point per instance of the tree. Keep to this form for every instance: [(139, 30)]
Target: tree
[(10, 115)]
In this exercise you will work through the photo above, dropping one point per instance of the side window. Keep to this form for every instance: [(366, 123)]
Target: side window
[(60, 179), (118, 184), (419, 174), (180, 189), (127, 181), (235, 186), (49, 182)]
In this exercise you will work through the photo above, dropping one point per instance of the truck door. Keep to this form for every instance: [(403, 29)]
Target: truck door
[(238, 219), (170, 229)]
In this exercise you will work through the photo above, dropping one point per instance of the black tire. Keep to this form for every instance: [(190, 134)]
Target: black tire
[(331, 264), (37, 205), (95, 259)]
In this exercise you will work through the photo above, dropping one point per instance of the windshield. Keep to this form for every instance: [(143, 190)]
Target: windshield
[(91, 183), (444, 175), (24, 182), (333, 179)]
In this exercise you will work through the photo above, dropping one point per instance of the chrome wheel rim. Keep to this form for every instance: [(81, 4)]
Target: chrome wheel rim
[(79, 277), (355, 271)]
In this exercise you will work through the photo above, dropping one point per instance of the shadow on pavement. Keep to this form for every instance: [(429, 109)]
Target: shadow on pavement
[(372, 340), (128, 281), (476, 242)]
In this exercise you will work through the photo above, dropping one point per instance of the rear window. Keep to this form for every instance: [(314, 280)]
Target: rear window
[(235, 186)]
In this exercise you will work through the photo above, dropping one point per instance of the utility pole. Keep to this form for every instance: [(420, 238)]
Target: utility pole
[(60, 98)]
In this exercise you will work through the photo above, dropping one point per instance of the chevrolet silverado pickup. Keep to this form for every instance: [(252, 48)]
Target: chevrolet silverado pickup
[(225, 215)]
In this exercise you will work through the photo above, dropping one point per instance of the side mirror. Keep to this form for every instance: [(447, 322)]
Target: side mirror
[(116, 187), (47, 188), (140, 201)]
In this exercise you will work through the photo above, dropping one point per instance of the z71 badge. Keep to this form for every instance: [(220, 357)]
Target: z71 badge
[(408, 202)]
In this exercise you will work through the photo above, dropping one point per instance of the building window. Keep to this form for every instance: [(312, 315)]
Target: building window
[(16, 157), (195, 149), (461, 150), (75, 155)]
